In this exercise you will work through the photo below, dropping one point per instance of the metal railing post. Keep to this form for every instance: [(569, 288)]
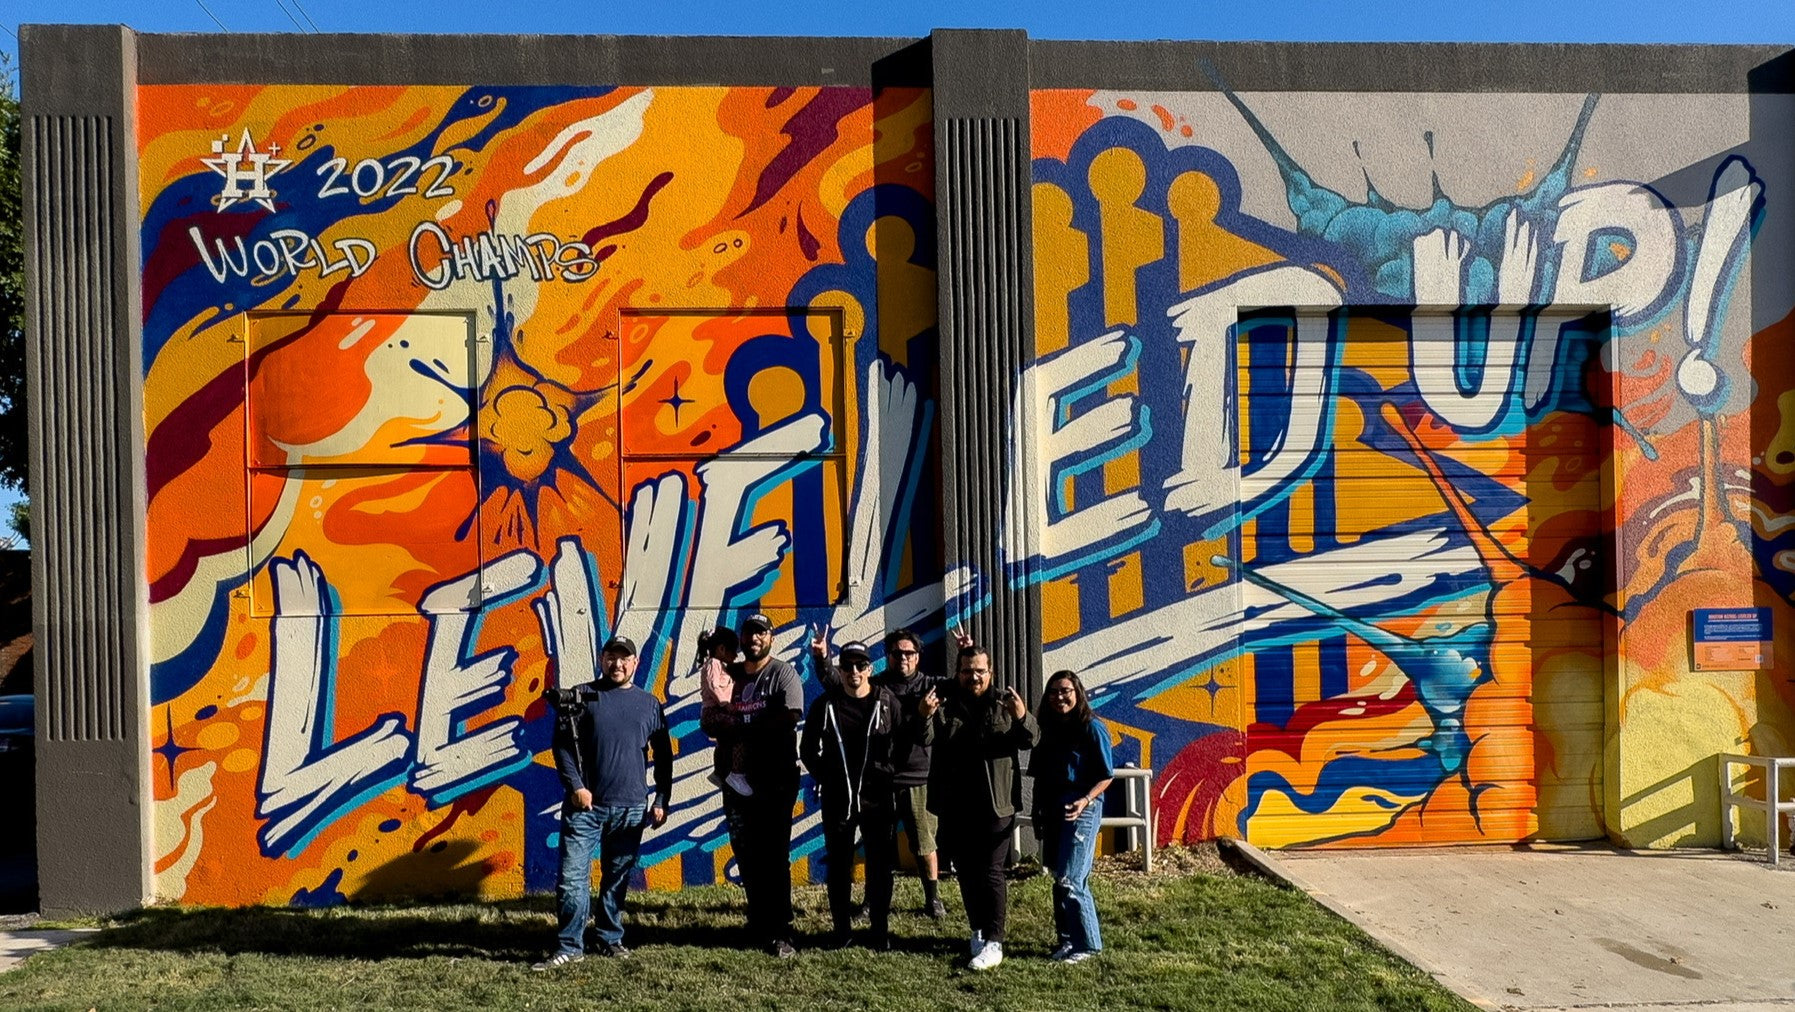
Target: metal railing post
[(1773, 806)]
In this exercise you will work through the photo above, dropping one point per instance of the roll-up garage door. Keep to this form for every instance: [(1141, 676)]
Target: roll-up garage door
[(1423, 577)]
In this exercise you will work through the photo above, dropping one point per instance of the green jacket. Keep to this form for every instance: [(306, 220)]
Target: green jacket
[(972, 772)]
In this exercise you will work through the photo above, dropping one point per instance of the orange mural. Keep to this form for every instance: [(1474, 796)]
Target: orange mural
[(1411, 559), (443, 385)]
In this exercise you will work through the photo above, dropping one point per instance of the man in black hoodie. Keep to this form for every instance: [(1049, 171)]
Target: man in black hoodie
[(910, 772), (850, 737)]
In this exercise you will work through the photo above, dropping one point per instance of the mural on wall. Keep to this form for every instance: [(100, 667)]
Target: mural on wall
[(1346, 572), (446, 385)]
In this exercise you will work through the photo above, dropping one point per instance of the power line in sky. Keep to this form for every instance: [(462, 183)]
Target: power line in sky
[(308, 16), (214, 17), (289, 14)]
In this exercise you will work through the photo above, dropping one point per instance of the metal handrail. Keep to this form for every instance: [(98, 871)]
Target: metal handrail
[(1138, 821), (1772, 804)]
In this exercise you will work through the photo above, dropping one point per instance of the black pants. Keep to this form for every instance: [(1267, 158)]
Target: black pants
[(877, 832), (760, 831), (979, 847)]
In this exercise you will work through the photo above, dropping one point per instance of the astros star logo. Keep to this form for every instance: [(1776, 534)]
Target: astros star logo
[(245, 171)]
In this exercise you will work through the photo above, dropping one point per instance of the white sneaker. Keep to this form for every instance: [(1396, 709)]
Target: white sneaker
[(988, 957), (1079, 956), (978, 943), (739, 784)]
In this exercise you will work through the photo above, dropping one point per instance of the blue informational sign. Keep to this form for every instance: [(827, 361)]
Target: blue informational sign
[(1731, 639)]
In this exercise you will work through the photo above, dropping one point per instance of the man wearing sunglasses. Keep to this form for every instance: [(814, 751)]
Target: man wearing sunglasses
[(851, 735), (910, 773)]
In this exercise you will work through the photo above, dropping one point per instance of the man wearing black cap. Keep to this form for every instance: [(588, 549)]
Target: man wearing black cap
[(600, 751), (850, 738), (763, 719)]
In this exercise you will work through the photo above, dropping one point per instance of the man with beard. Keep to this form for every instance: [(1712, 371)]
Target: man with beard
[(602, 742), (977, 732), (762, 719)]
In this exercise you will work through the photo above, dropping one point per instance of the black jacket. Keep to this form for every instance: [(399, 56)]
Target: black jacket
[(976, 741), (910, 768), (850, 783)]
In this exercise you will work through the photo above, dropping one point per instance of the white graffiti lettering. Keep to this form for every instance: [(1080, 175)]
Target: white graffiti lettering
[(1067, 444), (451, 761), (307, 781), (285, 253), (439, 260)]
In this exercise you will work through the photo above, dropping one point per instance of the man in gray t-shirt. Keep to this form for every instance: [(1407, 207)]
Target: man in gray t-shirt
[(763, 719)]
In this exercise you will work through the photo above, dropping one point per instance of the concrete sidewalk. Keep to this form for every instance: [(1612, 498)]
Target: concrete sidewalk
[(1550, 928), (16, 943)]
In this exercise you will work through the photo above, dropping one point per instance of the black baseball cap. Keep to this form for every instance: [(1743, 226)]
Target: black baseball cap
[(757, 621), (620, 645), (854, 649)]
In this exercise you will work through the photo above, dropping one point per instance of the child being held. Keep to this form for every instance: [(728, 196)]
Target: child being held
[(716, 689)]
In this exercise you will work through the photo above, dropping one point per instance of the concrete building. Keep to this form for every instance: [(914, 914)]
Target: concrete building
[(1400, 439)]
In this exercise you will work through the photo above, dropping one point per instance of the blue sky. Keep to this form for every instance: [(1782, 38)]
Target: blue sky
[(1766, 21), (1748, 21)]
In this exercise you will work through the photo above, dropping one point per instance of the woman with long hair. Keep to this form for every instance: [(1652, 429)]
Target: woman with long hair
[(1072, 768)]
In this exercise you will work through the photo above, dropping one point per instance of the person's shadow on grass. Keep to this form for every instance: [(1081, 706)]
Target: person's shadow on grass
[(365, 926)]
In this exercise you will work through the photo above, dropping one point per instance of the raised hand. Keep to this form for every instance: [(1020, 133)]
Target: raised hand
[(960, 635)]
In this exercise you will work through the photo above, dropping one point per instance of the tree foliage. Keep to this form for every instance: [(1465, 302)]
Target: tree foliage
[(12, 286)]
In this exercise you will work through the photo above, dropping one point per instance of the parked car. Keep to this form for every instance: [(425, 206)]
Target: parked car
[(18, 787), (17, 721)]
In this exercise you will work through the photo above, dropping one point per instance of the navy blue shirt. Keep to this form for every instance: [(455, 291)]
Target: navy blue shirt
[(1068, 762), (615, 731)]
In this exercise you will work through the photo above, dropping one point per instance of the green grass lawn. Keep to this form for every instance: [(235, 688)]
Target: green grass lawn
[(1196, 936)]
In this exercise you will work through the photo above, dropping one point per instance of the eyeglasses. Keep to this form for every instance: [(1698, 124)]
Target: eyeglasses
[(856, 665), (975, 671), (906, 653)]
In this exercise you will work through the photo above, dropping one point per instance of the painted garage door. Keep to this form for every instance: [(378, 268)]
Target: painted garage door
[(1423, 576)]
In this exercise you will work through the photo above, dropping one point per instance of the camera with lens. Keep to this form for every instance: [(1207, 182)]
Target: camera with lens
[(569, 700)]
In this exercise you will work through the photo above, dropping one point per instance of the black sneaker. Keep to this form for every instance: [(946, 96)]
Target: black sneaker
[(782, 949), (936, 909), (611, 950), (879, 943), (838, 939)]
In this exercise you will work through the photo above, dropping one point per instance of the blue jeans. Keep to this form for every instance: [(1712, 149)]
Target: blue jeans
[(1068, 848), (615, 832)]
